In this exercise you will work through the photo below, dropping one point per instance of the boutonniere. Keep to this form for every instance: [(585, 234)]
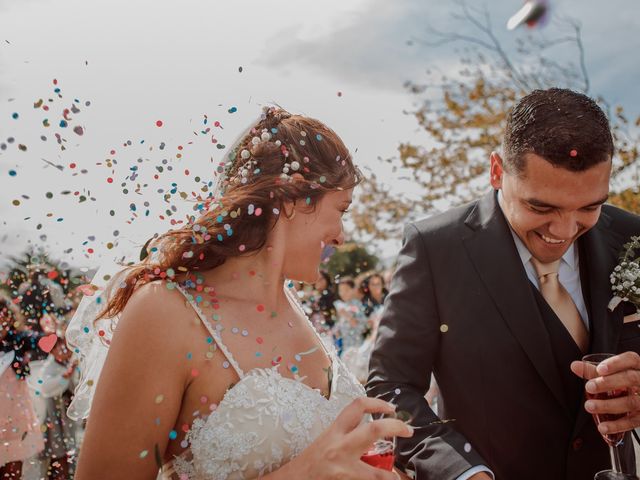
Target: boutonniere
[(625, 278)]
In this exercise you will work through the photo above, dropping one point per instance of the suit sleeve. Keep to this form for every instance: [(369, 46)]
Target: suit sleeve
[(401, 366)]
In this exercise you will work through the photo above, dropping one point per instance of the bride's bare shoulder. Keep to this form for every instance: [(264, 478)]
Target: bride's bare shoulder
[(156, 309)]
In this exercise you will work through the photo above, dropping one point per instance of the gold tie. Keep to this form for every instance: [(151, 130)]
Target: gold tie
[(560, 301)]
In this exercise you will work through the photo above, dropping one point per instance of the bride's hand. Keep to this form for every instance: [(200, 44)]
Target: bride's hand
[(336, 452)]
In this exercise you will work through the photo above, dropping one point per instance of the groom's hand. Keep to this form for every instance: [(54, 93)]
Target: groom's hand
[(621, 372)]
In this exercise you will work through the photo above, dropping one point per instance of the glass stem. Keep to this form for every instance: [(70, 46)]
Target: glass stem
[(615, 459)]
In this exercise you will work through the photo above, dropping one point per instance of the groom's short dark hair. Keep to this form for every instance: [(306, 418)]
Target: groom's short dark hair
[(566, 128)]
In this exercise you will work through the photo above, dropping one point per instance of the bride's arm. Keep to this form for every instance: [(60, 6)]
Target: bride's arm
[(129, 420)]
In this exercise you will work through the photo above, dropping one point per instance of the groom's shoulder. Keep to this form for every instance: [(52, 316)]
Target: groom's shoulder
[(620, 220), (445, 222)]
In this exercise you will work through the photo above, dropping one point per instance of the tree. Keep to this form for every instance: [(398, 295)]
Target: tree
[(351, 259), (463, 120)]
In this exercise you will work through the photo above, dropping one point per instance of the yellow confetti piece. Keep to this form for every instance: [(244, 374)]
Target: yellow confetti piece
[(159, 398), (444, 328)]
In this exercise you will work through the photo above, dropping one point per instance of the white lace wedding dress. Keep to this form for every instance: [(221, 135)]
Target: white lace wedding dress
[(262, 422)]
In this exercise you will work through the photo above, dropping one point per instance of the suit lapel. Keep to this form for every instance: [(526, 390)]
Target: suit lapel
[(598, 256), (494, 255)]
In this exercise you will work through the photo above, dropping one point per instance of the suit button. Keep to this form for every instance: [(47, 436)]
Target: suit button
[(577, 444)]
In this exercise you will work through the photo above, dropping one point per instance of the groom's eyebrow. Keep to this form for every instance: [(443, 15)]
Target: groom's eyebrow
[(539, 203)]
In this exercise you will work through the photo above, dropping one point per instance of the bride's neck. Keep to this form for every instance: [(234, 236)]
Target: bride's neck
[(256, 277)]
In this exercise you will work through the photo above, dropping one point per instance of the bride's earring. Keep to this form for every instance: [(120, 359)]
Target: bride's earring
[(293, 212)]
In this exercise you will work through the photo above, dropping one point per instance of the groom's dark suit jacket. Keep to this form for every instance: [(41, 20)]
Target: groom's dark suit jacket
[(461, 306)]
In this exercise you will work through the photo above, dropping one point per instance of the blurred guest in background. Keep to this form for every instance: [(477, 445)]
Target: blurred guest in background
[(373, 292), (351, 321), (20, 435), (323, 314)]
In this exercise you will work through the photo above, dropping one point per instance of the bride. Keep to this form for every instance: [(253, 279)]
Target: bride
[(214, 372)]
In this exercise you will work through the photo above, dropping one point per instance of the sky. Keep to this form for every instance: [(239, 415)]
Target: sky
[(184, 63)]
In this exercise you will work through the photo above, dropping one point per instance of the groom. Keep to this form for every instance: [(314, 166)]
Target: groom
[(497, 299)]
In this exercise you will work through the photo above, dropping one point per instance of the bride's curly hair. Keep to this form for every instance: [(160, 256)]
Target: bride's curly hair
[(257, 183)]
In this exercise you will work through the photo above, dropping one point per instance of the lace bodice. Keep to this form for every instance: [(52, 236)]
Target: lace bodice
[(262, 422)]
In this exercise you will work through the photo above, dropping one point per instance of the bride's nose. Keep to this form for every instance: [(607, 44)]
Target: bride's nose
[(339, 240)]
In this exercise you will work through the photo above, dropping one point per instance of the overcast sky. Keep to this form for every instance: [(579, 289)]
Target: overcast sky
[(343, 62)]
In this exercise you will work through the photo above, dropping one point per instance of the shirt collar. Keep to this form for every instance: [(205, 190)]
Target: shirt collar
[(570, 257)]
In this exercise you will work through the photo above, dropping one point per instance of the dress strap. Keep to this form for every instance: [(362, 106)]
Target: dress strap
[(213, 331), (293, 298)]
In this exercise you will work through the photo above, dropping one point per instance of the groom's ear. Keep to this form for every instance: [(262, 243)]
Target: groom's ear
[(496, 170)]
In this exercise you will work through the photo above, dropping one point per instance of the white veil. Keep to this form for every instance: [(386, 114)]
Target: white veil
[(89, 339)]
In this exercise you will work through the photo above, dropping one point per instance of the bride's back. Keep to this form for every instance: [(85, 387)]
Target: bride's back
[(139, 393)]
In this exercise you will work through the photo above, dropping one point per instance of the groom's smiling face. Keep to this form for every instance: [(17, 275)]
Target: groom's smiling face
[(549, 207)]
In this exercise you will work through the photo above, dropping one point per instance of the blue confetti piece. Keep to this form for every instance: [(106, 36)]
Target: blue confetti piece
[(233, 110)]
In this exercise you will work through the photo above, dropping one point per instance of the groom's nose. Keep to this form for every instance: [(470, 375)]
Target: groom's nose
[(564, 228)]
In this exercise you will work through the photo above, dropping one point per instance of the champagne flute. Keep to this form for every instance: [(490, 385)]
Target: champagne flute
[(611, 475), (381, 453), (613, 440)]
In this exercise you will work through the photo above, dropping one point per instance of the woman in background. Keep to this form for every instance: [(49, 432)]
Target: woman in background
[(20, 435), (374, 293), (323, 309)]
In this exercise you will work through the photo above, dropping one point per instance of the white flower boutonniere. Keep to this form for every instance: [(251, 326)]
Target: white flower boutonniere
[(625, 278)]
